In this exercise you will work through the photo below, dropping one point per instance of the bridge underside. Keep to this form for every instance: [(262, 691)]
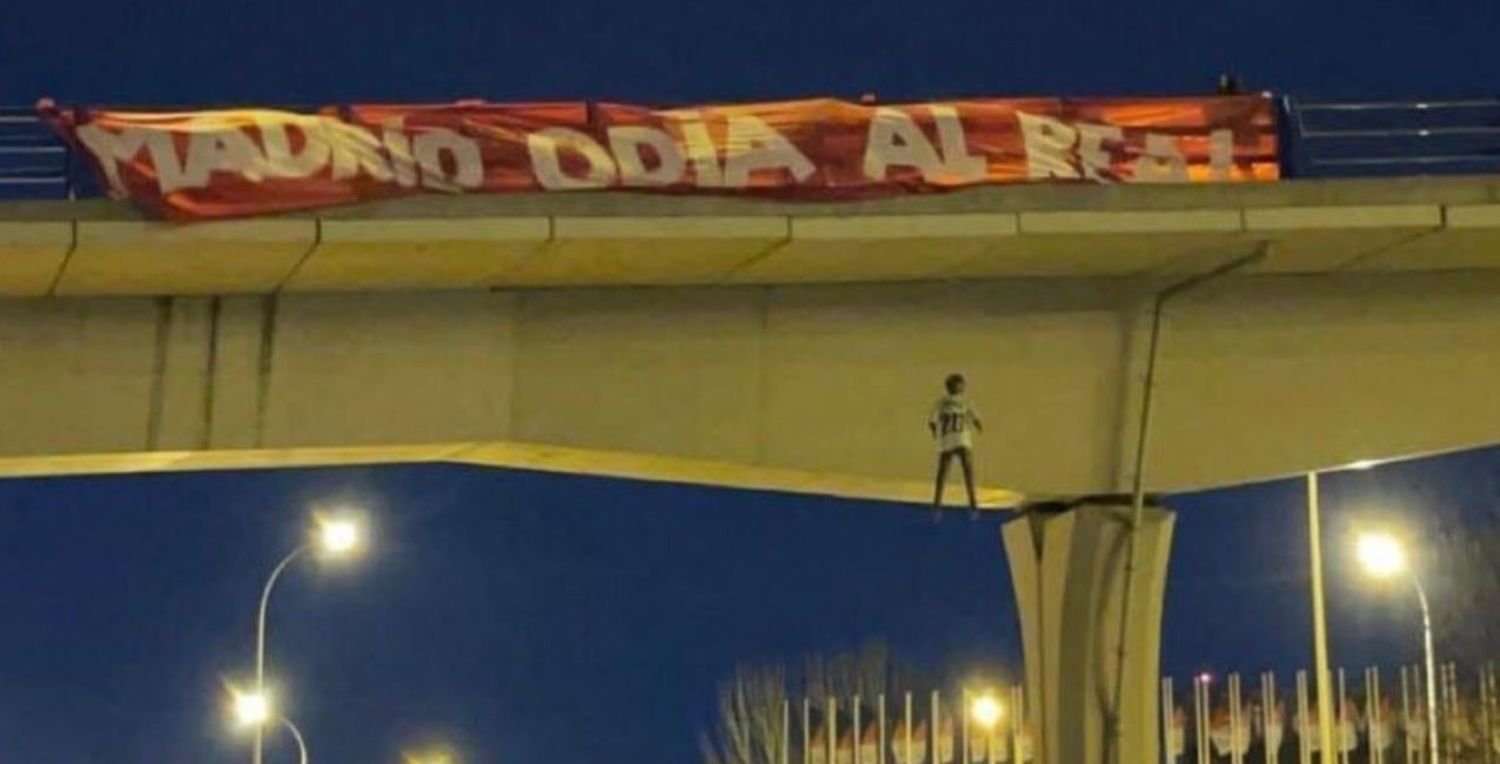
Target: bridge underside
[(793, 340), (519, 456)]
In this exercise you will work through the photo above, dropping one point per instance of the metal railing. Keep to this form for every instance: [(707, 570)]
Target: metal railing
[(1390, 138), (1380, 719), (1320, 139), (34, 162)]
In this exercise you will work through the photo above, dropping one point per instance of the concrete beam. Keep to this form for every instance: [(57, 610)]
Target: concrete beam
[(523, 456), (1260, 376), (139, 258), (637, 239), (1319, 239), (641, 250), (878, 248), (390, 255), (1382, 298), (33, 256)]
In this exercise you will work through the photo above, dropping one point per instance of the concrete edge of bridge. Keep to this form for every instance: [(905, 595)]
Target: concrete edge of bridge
[(505, 455)]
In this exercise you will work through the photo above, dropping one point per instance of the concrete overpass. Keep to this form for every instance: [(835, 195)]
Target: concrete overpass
[(788, 347), (763, 340)]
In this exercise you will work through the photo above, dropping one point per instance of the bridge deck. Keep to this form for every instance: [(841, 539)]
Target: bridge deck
[(104, 248)]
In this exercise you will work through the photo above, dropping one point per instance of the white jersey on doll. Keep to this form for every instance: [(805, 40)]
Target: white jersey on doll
[(953, 420)]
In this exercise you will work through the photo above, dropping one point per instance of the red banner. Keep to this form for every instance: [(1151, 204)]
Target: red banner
[(214, 164)]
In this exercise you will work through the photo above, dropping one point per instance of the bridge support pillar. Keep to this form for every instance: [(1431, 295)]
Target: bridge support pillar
[(1067, 563)]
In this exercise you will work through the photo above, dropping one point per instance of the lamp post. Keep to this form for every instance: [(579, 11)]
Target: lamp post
[(1324, 677), (1382, 556), (334, 538), (1320, 621), (297, 736), (253, 709)]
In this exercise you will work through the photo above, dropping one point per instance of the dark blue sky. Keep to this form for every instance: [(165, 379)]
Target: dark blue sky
[(506, 609), (533, 617), (673, 51)]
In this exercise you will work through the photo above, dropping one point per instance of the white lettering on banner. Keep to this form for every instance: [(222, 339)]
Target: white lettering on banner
[(447, 160), (546, 147), (1162, 162), (626, 142), (280, 160), (895, 139), (1058, 149), (1049, 146), (355, 151), (432, 144), (753, 145), (702, 154), (208, 152), (1220, 153), (398, 147), (1092, 154), (192, 151), (958, 163), (170, 173), (112, 148)]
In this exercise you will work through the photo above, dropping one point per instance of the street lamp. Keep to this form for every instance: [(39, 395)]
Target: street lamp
[(297, 736), (1324, 677), (339, 536), (250, 709), (1382, 556), (986, 711), (333, 537), (439, 754), (254, 709)]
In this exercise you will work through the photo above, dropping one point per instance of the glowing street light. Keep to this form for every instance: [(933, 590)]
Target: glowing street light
[(439, 756), (1382, 556), (335, 537), (250, 709), (254, 709), (338, 537), (986, 711)]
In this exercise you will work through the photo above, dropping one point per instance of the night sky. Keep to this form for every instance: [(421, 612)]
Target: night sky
[(529, 617), (676, 51)]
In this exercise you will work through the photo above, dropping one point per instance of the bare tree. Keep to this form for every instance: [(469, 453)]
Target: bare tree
[(1465, 591), (865, 672), (752, 718), (752, 724), (1456, 546)]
